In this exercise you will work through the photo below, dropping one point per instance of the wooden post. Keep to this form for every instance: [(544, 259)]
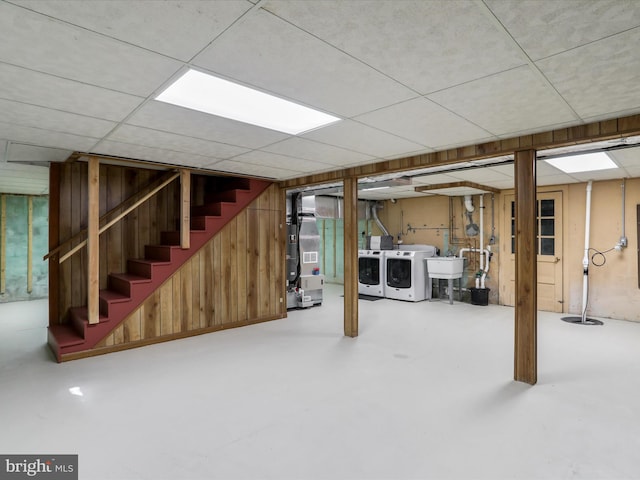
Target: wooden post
[(185, 208), (526, 359), (3, 242), (351, 256), (54, 238), (29, 244), (93, 241)]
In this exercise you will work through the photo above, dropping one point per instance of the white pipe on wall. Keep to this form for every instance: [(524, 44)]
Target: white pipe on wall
[(468, 203), (585, 258), (482, 239)]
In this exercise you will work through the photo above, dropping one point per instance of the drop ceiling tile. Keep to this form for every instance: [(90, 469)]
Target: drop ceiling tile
[(396, 39), (424, 122), (435, 179), (479, 175), (4, 145), (626, 157), (192, 24), (501, 184), (24, 179), (320, 152), (508, 102), (140, 152), (361, 138), (506, 170), (266, 52), (46, 45), (241, 168), (45, 138), (598, 78), (280, 161), (544, 169), (169, 141), (609, 174), (22, 85), (17, 152), (558, 179), (547, 28), (182, 121), (633, 171), (55, 120)]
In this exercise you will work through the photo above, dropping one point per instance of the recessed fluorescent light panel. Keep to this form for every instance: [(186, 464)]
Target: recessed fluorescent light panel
[(588, 162), (213, 95), (374, 188)]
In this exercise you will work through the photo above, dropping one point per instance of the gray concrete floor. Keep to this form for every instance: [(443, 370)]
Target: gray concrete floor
[(425, 392)]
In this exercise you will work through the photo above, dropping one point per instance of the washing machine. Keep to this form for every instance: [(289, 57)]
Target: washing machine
[(406, 275), (372, 272)]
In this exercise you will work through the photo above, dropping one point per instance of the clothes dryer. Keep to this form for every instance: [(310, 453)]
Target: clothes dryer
[(406, 275), (372, 272)]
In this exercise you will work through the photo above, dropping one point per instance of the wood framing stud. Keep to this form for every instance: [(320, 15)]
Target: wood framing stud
[(185, 206), (29, 244), (442, 186), (351, 257), (93, 242), (525, 352)]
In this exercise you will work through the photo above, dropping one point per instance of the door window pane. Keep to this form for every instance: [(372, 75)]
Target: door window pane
[(547, 246), (547, 208), (547, 227)]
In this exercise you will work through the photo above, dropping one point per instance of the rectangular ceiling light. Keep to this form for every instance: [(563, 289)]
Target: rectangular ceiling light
[(588, 162), (213, 95)]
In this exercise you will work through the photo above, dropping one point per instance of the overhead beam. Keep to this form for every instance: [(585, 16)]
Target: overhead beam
[(526, 313), (351, 257), (563, 137), (442, 186)]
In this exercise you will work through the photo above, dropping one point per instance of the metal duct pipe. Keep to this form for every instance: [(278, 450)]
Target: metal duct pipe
[(468, 203), (585, 258), (374, 214)]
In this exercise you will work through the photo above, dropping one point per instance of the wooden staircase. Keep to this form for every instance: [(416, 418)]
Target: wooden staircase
[(127, 290)]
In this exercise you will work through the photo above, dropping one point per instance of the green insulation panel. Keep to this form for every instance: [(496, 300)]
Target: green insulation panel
[(16, 232), (331, 232)]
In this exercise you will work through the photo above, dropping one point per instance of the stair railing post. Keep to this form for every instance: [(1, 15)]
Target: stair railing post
[(185, 208), (93, 241)]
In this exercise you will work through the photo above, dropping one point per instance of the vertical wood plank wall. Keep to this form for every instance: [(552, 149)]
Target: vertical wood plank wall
[(235, 279), (124, 240)]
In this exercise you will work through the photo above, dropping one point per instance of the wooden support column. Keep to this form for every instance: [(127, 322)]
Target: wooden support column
[(29, 244), (93, 241), (351, 256), (526, 356), (3, 242), (185, 208)]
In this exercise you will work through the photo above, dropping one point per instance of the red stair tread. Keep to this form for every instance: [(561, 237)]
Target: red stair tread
[(83, 314), (66, 336), (113, 297), (127, 277)]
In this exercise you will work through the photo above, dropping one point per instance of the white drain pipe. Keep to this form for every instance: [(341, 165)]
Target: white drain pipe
[(585, 258), (482, 241)]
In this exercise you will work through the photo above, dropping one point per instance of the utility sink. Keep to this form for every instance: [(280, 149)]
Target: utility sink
[(445, 267)]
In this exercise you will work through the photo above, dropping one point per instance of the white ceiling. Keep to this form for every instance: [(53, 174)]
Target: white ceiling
[(405, 77)]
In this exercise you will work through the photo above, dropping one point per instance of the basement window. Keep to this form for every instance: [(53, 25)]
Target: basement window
[(215, 96)]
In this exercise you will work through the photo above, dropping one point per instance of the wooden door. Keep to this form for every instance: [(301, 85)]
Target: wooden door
[(549, 246)]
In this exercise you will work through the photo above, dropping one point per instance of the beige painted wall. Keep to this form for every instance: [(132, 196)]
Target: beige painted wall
[(425, 220), (613, 292), (613, 288)]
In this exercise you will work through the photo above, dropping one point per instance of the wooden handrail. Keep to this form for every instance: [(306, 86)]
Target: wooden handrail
[(142, 197)]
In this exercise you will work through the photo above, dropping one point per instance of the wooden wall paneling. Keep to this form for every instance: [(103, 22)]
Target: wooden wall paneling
[(225, 275), (93, 241), (241, 250), (233, 270), (253, 250), (65, 231), (103, 241), (77, 281), (176, 316), (54, 236), (209, 284), (150, 316), (185, 207), (638, 241), (130, 222), (116, 261), (263, 258), (187, 297), (217, 280), (351, 257), (525, 351), (202, 305), (166, 308), (154, 234), (118, 335), (282, 232), (144, 217), (132, 327), (195, 295), (108, 340)]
